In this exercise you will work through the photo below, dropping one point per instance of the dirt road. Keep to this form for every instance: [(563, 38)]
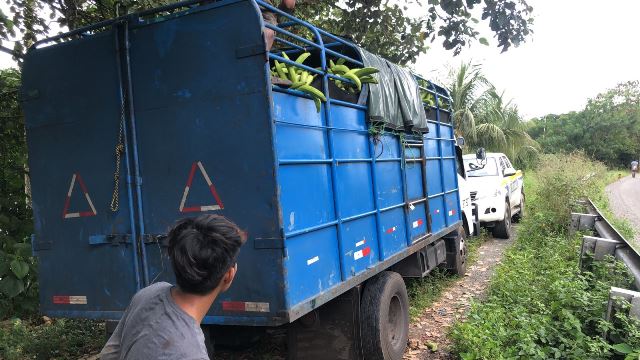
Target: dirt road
[(428, 334), (624, 201)]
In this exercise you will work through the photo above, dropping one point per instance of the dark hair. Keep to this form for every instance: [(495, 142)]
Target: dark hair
[(202, 249)]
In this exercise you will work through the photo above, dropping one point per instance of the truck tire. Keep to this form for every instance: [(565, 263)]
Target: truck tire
[(517, 217), (457, 253), (502, 229), (384, 317)]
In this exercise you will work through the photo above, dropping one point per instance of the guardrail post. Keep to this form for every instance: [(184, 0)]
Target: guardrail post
[(597, 247), (581, 222)]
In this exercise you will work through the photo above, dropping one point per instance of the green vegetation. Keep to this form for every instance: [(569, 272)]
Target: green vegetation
[(18, 279), (540, 305), (486, 119), (389, 29), (57, 339), (608, 129)]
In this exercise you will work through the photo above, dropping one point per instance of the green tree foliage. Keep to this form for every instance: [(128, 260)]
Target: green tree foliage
[(400, 31), (608, 129), (486, 119), (18, 287)]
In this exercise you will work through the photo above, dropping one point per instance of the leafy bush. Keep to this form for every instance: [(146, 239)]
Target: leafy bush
[(563, 180), (18, 280), (540, 305), (59, 339)]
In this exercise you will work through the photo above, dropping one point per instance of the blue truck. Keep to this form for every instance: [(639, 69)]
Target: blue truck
[(138, 121)]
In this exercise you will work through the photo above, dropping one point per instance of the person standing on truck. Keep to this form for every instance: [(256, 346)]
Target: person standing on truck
[(163, 321), (634, 168), (271, 18)]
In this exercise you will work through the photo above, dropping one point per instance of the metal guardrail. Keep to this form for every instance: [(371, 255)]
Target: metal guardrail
[(608, 241)]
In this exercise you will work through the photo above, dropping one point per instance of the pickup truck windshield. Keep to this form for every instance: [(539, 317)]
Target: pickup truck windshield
[(490, 168)]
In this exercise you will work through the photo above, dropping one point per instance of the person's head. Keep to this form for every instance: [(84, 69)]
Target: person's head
[(203, 253)]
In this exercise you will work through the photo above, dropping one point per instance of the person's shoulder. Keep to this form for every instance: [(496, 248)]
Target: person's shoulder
[(152, 290)]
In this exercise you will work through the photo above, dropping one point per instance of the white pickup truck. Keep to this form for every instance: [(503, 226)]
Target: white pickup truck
[(497, 188)]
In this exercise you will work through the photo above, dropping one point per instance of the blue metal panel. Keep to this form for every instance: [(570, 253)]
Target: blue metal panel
[(438, 218), (71, 136), (453, 214), (449, 174), (297, 119), (434, 174), (305, 193), (418, 221), (355, 188), (361, 244), (389, 175), (203, 111), (414, 180), (394, 238), (312, 263)]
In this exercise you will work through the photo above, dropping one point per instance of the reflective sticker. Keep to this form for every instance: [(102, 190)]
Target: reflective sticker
[(361, 253), (242, 306), (452, 212), (390, 230), (360, 243), (312, 260), (69, 300), (417, 223), (65, 212), (217, 206)]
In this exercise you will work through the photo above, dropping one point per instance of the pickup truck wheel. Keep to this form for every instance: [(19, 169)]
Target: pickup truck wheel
[(517, 217), (385, 317), (502, 229), (457, 253)]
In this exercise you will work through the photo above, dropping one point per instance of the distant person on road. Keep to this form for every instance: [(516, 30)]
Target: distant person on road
[(163, 321), (634, 168)]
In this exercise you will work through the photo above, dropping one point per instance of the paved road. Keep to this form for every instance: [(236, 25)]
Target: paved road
[(624, 201)]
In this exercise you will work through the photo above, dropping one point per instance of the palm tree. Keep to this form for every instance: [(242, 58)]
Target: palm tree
[(467, 86), (500, 128)]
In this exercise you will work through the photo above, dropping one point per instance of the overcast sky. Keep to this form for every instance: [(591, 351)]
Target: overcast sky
[(579, 48)]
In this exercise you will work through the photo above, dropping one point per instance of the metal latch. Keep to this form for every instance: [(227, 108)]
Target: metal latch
[(113, 239)]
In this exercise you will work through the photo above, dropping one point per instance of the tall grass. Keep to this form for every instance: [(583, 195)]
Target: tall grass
[(540, 304)]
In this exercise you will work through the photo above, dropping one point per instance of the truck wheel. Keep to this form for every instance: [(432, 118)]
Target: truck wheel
[(503, 228), (517, 217), (457, 253), (385, 317)]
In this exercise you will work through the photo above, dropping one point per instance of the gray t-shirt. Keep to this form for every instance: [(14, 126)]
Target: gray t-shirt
[(154, 327)]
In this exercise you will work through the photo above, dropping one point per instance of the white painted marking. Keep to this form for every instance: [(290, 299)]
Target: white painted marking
[(416, 224), (360, 243), (357, 255), (204, 173), (256, 306), (80, 300), (93, 209), (72, 215), (313, 260), (73, 181), (184, 197), (209, 208)]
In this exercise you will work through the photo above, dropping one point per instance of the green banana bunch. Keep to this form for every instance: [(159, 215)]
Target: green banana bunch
[(301, 79), (428, 98), (358, 76)]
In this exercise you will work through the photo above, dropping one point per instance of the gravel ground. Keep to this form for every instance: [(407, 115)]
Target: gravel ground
[(428, 334), (624, 201)]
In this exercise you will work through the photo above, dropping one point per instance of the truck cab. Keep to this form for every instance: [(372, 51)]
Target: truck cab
[(497, 189)]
